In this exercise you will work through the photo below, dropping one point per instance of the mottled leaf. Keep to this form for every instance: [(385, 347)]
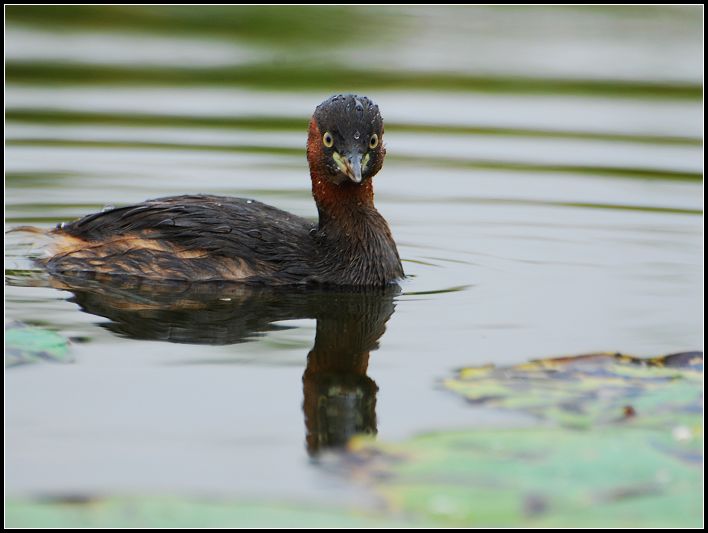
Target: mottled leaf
[(618, 444), (609, 477), (592, 389)]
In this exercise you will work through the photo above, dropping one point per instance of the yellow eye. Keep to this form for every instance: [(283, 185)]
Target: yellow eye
[(328, 140), (374, 141)]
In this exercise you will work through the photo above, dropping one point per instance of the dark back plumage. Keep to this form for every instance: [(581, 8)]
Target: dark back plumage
[(266, 240)]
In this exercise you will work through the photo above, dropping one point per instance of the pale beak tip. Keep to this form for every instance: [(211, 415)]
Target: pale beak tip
[(355, 168)]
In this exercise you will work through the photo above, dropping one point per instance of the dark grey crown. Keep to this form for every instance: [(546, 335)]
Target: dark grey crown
[(350, 118)]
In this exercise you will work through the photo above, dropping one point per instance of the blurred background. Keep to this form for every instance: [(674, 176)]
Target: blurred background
[(543, 183)]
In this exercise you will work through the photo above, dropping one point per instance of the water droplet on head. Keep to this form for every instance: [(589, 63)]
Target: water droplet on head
[(358, 106), (357, 135)]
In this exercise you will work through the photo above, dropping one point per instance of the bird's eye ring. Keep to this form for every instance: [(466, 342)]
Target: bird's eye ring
[(374, 141), (328, 140)]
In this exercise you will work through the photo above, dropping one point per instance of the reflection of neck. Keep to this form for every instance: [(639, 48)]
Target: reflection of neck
[(340, 399), (342, 344)]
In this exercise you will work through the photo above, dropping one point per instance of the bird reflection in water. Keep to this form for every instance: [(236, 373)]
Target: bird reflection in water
[(339, 396)]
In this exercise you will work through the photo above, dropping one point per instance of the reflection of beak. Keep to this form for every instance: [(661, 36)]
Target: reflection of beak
[(349, 164)]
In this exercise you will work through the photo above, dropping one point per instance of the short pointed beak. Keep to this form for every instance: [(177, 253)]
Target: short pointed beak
[(349, 164), (354, 167)]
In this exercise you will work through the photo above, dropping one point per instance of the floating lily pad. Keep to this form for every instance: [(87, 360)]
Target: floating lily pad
[(535, 478), (619, 444), (593, 389), (184, 512), (26, 344)]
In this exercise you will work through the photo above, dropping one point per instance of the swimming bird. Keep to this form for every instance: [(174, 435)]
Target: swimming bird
[(218, 238)]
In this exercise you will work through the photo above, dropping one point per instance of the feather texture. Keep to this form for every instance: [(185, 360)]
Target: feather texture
[(206, 238)]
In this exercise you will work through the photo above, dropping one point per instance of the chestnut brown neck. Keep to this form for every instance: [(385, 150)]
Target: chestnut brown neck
[(340, 204)]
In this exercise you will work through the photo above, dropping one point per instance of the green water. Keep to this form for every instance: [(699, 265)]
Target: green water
[(543, 183)]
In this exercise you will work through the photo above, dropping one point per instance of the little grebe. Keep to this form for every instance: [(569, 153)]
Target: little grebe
[(205, 238)]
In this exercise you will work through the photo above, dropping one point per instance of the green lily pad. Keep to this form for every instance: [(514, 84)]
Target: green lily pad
[(26, 344), (593, 389), (618, 444), (607, 477), (185, 512)]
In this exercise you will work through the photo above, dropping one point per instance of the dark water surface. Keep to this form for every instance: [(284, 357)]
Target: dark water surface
[(545, 194)]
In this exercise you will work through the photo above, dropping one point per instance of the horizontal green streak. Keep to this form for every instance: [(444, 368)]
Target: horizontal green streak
[(333, 78), (641, 173), (262, 123), (274, 150), (588, 205), (60, 116), (33, 220), (605, 171), (282, 25), (546, 134), (646, 208)]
